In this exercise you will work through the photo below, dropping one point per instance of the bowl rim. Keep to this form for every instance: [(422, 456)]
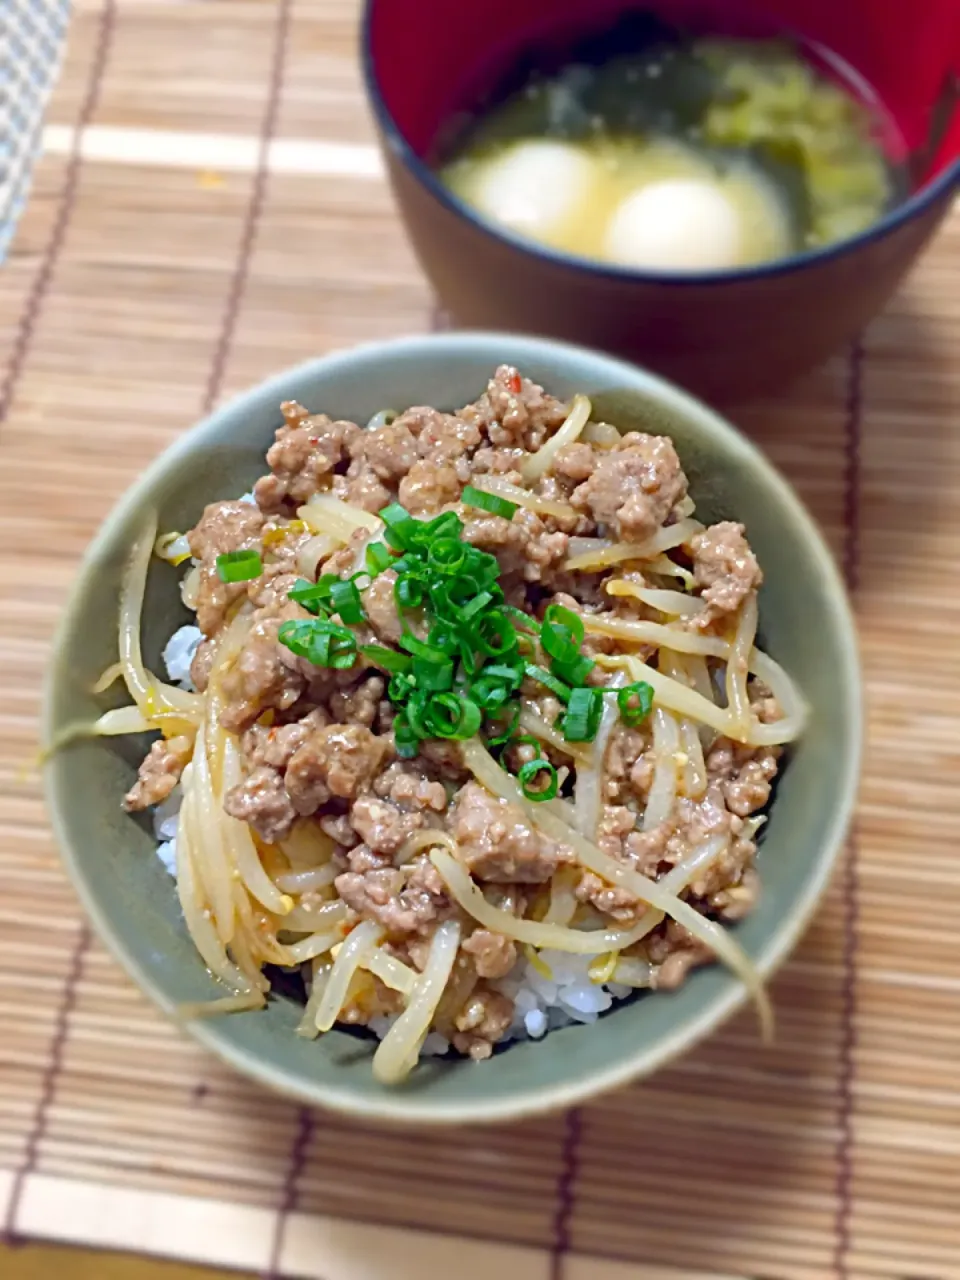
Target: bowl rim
[(398, 1107), (394, 140)]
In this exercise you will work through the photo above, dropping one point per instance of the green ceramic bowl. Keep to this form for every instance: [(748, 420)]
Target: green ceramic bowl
[(805, 623)]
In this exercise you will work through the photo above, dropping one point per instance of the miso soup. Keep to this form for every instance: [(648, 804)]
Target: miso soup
[(693, 154)]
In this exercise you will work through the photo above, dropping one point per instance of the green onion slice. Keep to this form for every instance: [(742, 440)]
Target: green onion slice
[(575, 671), (535, 787), (556, 687), (320, 642), (378, 558), (582, 717), (387, 659), (488, 502), (435, 677), (405, 738), (345, 600), (239, 566), (635, 702), (402, 530), (311, 595), (450, 716), (510, 714)]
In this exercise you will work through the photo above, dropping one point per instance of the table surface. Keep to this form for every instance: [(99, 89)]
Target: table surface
[(51, 1262)]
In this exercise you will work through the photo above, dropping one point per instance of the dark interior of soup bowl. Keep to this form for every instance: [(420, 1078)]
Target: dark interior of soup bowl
[(428, 63), (805, 622)]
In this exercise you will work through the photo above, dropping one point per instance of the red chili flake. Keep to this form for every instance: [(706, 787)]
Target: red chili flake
[(515, 383), (314, 439)]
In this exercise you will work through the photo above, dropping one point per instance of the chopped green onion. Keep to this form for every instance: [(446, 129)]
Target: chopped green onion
[(556, 687), (239, 566), (557, 615), (387, 659), (530, 772), (405, 739), (494, 634), (421, 650), (345, 600), (402, 530), (446, 525), (445, 637), (436, 677), (311, 595), (574, 672), (417, 713), (447, 554), (488, 502), (521, 619), (633, 712), (450, 716), (401, 686), (320, 642), (408, 592), (378, 558), (582, 718), (510, 712), (476, 604)]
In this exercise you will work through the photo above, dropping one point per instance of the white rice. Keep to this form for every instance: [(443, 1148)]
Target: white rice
[(165, 818), (179, 653), (541, 1004)]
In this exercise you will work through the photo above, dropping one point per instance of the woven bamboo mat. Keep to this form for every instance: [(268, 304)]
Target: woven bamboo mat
[(158, 269)]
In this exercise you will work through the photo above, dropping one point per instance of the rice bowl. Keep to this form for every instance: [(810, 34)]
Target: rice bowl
[(544, 986)]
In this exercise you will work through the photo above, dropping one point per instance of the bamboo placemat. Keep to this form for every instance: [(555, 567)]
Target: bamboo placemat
[(160, 267)]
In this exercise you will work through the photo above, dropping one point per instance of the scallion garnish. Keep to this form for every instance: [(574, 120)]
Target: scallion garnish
[(450, 716), (378, 558), (531, 783), (488, 502), (478, 649), (556, 687), (435, 677), (345, 600), (406, 740), (321, 642), (634, 702), (310, 595), (239, 566), (387, 659), (582, 718), (401, 528), (508, 715)]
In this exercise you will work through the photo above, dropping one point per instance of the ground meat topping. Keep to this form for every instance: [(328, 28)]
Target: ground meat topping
[(404, 900), (428, 486), (159, 772), (305, 453), (224, 526), (263, 801), (485, 1019), (633, 488), (522, 412), (497, 843), (380, 606), (725, 567), (493, 954), (388, 452), (338, 760), (262, 677)]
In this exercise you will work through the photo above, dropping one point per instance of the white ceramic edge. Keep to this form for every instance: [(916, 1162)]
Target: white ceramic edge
[(407, 1109)]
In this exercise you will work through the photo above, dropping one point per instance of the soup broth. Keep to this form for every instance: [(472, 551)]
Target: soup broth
[(693, 154)]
